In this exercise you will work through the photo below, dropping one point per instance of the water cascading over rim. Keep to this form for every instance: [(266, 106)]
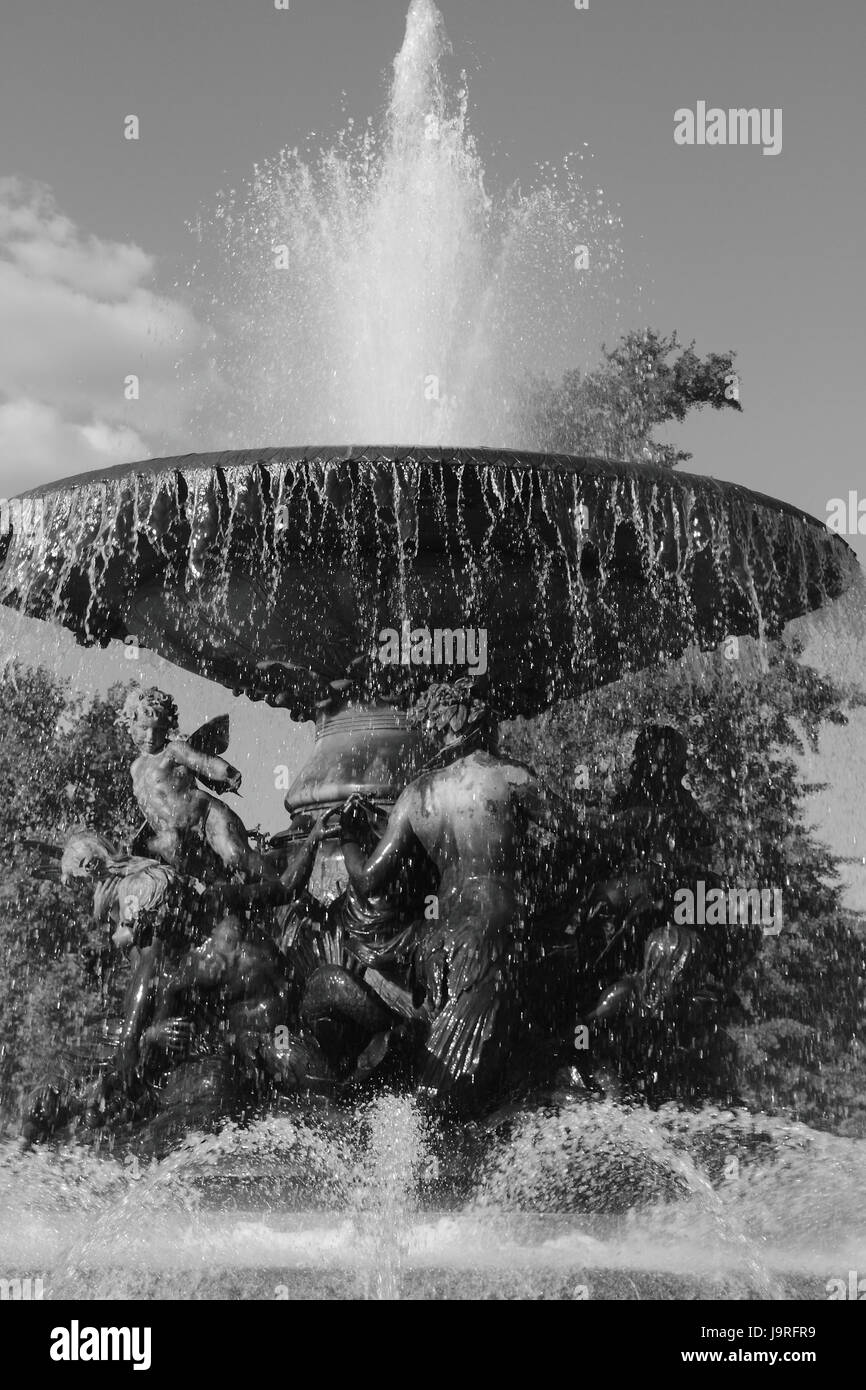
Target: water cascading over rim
[(275, 571)]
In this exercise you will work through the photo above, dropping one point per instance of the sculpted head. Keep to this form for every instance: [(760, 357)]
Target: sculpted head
[(86, 855), (660, 756), (452, 712), (151, 716)]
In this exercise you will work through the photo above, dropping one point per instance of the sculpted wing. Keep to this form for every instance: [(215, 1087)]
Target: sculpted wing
[(212, 737), (50, 855)]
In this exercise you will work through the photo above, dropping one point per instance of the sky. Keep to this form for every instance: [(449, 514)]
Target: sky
[(726, 245), (730, 247)]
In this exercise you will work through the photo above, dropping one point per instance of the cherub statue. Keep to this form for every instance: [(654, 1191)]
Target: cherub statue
[(177, 809)]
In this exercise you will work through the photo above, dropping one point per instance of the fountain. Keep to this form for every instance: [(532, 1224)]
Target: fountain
[(276, 572), (279, 573)]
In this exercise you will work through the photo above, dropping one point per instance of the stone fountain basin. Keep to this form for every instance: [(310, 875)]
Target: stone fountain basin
[(275, 571)]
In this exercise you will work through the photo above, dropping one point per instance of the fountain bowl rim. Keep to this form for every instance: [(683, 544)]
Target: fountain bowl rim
[(480, 457)]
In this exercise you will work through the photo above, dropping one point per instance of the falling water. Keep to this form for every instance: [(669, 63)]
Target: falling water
[(295, 559), (379, 289)]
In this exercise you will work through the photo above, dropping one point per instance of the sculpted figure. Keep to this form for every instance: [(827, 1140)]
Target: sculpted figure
[(187, 980), (164, 972), (153, 908), (177, 809), (126, 887), (666, 842), (466, 812), (657, 819), (153, 913), (235, 981)]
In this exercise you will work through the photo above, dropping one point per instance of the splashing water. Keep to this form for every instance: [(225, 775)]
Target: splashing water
[(384, 1196), (575, 1200), (378, 290)]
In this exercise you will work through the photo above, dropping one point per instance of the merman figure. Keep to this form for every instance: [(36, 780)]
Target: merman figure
[(467, 811)]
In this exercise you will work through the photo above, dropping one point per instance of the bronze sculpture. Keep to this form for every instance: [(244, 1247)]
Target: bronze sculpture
[(165, 779), (272, 572), (442, 987)]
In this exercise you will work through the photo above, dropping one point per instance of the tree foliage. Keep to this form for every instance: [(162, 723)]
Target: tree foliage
[(63, 764), (646, 381), (798, 1013)]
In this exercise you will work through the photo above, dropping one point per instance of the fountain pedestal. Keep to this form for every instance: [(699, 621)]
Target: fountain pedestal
[(369, 750)]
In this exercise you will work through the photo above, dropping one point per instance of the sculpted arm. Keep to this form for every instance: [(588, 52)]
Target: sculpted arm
[(292, 881), (297, 872), (373, 874), (207, 765)]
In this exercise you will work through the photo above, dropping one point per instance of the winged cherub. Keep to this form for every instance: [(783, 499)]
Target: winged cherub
[(176, 808)]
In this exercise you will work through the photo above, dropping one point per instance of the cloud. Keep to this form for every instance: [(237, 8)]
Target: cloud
[(44, 445), (48, 246), (79, 316)]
